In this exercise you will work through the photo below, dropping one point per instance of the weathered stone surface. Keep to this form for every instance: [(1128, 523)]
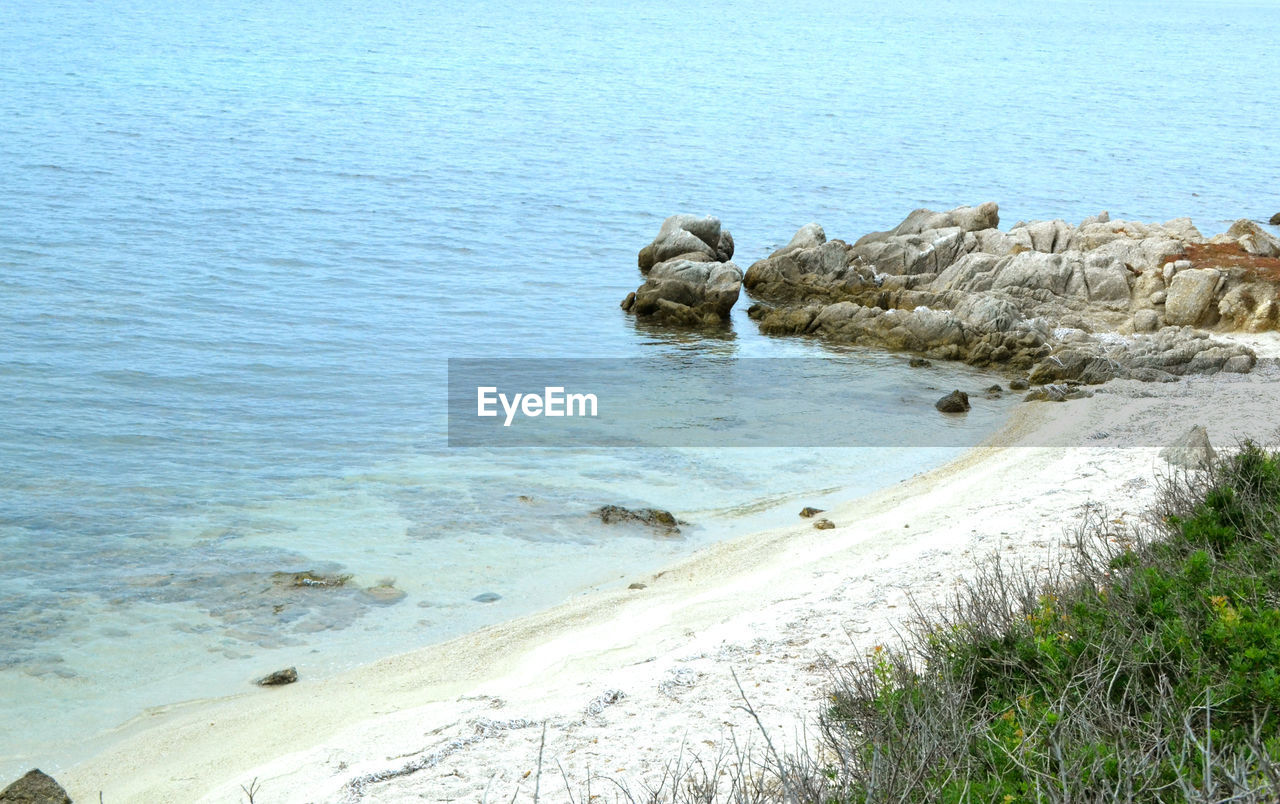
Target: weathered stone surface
[(1057, 393), (954, 402), (689, 279), (1191, 450), (1189, 296), (1251, 237), (279, 678), (36, 787), (649, 517), (1146, 321), (687, 293)]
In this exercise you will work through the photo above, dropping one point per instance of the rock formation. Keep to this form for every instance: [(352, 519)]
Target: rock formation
[(36, 787), (689, 280), (1064, 303), (650, 517), (1192, 450)]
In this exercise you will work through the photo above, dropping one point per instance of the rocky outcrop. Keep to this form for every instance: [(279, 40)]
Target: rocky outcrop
[(1079, 303), (36, 787), (689, 280), (1275, 219)]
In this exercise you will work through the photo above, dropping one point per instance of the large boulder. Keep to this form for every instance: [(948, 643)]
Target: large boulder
[(1189, 295), (687, 237), (36, 787), (689, 280), (683, 292), (1191, 450)]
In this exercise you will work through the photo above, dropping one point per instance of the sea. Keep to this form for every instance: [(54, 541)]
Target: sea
[(240, 242)]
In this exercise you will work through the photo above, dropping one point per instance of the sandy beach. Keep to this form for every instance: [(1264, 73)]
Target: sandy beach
[(628, 682)]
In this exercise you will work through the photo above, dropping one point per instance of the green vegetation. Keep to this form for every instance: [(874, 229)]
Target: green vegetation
[(1150, 671)]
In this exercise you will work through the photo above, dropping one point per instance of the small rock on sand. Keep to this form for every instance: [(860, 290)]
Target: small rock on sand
[(279, 678), (824, 524)]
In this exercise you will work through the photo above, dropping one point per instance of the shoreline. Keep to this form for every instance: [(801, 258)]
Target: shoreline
[(773, 609)]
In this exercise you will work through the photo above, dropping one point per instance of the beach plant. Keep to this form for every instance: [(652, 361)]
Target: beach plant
[(1147, 670)]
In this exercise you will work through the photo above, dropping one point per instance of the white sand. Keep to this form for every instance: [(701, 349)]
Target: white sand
[(775, 608)]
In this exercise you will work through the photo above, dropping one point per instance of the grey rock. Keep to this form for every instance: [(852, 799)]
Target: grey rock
[(1146, 321), (810, 512), (1191, 450), (1189, 295), (689, 237), (1158, 297), (36, 787), (687, 293), (1251, 237), (1275, 219), (824, 524), (279, 678), (1019, 384), (810, 235), (919, 362), (954, 402), (1057, 393), (487, 597)]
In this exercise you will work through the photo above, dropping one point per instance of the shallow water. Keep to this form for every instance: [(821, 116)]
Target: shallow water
[(240, 240)]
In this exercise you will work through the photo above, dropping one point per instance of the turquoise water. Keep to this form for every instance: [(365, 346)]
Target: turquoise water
[(238, 242)]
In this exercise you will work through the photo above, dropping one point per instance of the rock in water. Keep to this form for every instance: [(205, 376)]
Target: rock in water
[(1275, 219), (808, 512), (279, 678), (1192, 450), (487, 597), (954, 402), (650, 517), (824, 524), (36, 787), (689, 280)]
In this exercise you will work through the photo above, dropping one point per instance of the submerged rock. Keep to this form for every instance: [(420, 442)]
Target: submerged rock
[(385, 593), (311, 579), (487, 597), (279, 678), (649, 517), (954, 402), (36, 787)]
